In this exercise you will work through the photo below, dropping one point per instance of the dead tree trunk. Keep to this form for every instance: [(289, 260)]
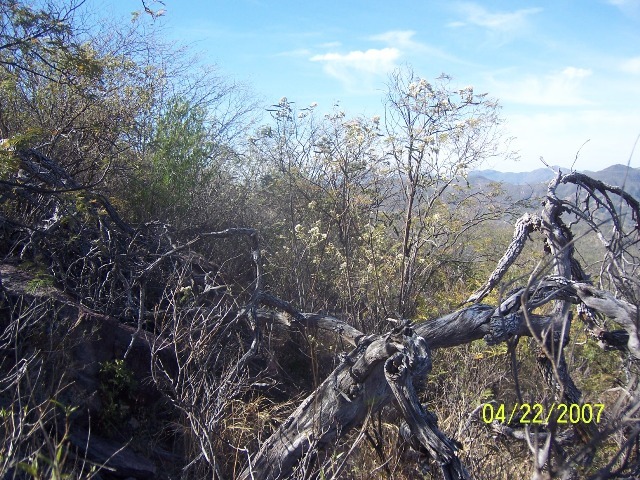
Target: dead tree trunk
[(382, 367), (381, 370), (377, 371)]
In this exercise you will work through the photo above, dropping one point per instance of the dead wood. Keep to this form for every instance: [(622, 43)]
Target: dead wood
[(206, 353)]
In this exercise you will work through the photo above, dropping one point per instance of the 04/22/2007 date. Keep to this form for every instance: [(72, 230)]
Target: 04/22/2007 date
[(539, 414)]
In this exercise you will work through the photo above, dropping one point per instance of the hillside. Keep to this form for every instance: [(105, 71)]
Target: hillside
[(171, 338), (533, 184), (197, 287), (538, 175)]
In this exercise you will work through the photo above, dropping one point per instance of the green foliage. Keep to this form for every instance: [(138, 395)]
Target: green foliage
[(116, 377), (117, 392), (349, 234), (41, 277), (364, 218), (595, 371), (41, 41), (9, 163), (181, 165), (51, 459), (40, 281)]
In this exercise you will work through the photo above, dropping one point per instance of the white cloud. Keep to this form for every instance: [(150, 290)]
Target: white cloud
[(631, 65), (475, 14), (359, 68), (570, 73), (558, 89), (625, 3), (372, 60)]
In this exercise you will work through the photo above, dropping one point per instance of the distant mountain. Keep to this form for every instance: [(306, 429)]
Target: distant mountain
[(533, 184), (620, 175), (517, 178)]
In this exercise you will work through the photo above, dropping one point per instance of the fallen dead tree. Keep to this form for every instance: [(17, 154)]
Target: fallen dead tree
[(209, 350), (365, 380), (381, 370)]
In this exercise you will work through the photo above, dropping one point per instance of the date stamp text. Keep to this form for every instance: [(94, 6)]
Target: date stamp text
[(539, 414)]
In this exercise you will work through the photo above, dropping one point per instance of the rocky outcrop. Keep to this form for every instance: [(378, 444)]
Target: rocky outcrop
[(114, 459), (82, 341)]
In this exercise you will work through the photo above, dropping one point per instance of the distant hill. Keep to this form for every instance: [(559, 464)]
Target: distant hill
[(622, 176), (517, 178), (533, 184)]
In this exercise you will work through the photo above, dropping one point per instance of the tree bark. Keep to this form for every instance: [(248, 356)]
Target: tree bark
[(378, 370)]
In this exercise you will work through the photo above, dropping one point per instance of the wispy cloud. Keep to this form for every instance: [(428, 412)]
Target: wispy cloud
[(358, 67), (477, 15), (405, 42), (558, 89), (631, 65)]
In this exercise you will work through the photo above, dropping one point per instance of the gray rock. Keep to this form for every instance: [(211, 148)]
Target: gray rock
[(120, 460)]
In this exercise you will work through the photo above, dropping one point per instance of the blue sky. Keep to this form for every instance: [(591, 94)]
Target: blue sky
[(565, 72)]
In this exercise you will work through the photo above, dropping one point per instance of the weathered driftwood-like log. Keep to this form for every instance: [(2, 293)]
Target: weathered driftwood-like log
[(399, 370), (620, 311), (379, 369), (290, 316), (523, 228)]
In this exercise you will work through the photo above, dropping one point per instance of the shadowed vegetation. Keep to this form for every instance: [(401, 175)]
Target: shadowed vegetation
[(195, 287)]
